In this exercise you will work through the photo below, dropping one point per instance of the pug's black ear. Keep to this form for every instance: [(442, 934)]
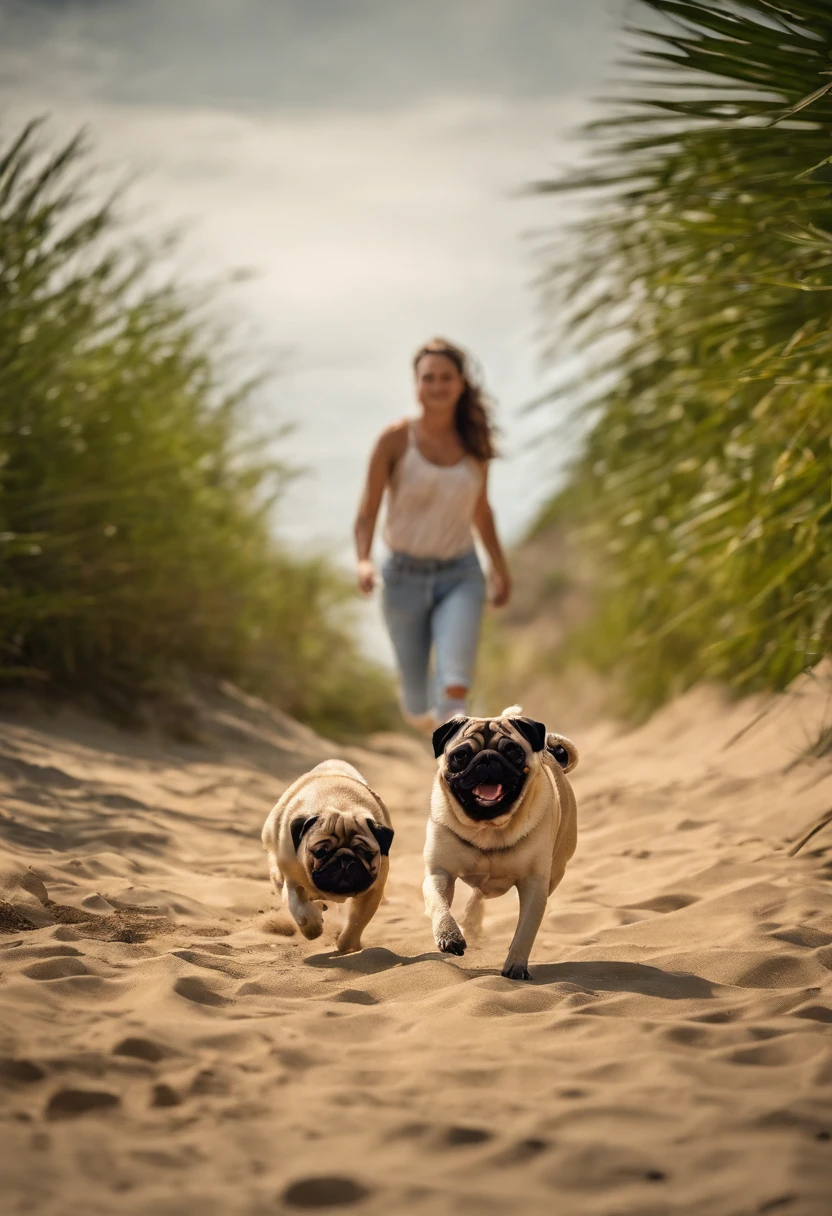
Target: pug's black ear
[(446, 731), (533, 732), (383, 835), (300, 827)]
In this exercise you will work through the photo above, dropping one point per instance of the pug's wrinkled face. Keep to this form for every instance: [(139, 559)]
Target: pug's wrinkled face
[(486, 761), (341, 853)]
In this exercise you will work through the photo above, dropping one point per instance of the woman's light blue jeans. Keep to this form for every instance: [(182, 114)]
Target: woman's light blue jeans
[(433, 605)]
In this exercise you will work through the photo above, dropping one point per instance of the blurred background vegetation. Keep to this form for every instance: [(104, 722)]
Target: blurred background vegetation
[(136, 549), (693, 536)]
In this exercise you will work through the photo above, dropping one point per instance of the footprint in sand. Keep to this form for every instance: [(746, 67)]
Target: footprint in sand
[(69, 1103), (803, 935), (458, 1136), (776, 1205), (20, 1071), (522, 1152), (408, 1131), (210, 962), (671, 902), (327, 1191), (208, 1083), (815, 1013), (141, 1049), (777, 1053), (55, 968), (356, 996), (164, 1095), (192, 988), (719, 1017), (686, 1035)]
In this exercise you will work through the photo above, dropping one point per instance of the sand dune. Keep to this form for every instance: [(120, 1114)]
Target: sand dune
[(163, 1052)]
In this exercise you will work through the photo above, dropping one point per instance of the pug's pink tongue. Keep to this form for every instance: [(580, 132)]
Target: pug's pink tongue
[(488, 793)]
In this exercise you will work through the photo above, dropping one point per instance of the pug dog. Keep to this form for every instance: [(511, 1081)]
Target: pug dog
[(328, 839), (502, 815)]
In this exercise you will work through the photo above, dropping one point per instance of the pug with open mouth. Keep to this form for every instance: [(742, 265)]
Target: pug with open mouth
[(328, 840), (502, 815)]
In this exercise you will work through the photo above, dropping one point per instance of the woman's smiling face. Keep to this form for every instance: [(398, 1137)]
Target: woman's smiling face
[(439, 383)]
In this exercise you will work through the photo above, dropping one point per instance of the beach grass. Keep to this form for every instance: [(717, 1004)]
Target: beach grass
[(698, 296), (138, 482)]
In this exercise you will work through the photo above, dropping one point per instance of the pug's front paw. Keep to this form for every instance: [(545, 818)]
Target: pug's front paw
[(311, 928), (516, 971), (451, 943)]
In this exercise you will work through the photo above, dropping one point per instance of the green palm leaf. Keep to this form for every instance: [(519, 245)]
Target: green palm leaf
[(704, 484)]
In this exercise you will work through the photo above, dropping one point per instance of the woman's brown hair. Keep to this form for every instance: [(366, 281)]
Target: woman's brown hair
[(473, 410)]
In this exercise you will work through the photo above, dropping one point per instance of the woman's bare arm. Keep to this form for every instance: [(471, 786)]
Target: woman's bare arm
[(387, 451), (484, 523)]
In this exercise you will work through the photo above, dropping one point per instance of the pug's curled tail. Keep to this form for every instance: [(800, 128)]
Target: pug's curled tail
[(513, 711)]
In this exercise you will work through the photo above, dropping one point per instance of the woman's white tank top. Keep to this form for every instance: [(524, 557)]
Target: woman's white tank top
[(430, 507)]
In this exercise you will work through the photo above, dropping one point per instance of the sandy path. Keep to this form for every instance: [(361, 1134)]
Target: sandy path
[(161, 1053)]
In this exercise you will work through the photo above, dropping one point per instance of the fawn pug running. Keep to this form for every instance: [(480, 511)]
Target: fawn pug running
[(328, 839), (502, 815)]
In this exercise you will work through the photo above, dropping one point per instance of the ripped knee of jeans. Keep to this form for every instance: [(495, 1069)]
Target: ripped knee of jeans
[(452, 701)]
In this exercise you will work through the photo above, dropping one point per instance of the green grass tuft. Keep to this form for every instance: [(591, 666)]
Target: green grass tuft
[(135, 502)]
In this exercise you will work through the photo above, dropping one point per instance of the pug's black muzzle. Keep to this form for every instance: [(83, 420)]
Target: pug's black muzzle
[(343, 874), (488, 768)]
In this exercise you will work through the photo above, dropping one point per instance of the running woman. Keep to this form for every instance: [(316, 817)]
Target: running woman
[(434, 469)]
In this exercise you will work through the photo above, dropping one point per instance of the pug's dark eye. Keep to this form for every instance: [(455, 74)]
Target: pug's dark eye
[(514, 753), (460, 759), (320, 850)]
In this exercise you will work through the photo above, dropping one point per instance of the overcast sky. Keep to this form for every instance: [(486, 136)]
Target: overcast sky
[(301, 54), (363, 158)]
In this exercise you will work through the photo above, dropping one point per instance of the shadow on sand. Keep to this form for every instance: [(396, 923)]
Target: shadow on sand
[(595, 976)]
